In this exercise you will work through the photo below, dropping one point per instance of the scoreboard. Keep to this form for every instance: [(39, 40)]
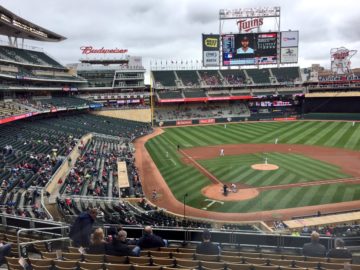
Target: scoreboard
[(249, 49)]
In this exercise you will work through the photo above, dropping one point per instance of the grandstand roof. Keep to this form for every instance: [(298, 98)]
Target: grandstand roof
[(15, 26)]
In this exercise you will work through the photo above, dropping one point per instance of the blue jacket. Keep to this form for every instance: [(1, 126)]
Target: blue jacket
[(80, 231)]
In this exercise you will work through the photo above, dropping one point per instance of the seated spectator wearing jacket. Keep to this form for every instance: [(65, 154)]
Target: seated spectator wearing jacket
[(339, 251), (150, 240), (97, 243), (314, 248), (207, 247), (120, 246)]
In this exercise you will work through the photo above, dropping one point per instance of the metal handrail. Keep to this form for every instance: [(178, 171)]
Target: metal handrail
[(39, 241)]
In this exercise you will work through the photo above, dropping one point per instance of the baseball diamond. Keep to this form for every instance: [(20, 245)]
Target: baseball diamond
[(318, 166)]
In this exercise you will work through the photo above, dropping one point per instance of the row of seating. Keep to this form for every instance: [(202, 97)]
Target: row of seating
[(168, 113), (188, 78), (28, 57), (11, 108), (96, 262)]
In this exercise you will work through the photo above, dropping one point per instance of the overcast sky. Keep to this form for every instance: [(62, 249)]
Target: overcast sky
[(171, 29)]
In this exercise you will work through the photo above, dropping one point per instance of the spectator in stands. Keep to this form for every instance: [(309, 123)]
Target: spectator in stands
[(339, 251), (245, 49), (207, 247), (150, 240), (97, 242), (5, 249), (120, 246), (314, 248), (80, 231)]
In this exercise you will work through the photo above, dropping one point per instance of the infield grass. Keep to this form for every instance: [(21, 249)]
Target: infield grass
[(293, 168)]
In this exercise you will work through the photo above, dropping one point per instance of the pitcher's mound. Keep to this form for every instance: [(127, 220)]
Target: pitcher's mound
[(265, 167), (215, 192)]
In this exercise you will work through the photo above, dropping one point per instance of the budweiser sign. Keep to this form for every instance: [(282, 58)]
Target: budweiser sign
[(249, 24), (90, 50)]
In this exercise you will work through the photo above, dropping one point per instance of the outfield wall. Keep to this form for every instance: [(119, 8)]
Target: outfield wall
[(257, 117)]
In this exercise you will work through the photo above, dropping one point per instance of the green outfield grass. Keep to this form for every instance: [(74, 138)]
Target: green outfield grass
[(183, 178), (293, 168)]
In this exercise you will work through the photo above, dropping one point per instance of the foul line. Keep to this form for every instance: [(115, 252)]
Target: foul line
[(205, 172), (313, 183)]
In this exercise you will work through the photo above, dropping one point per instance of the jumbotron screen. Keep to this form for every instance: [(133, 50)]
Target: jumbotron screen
[(249, 49)]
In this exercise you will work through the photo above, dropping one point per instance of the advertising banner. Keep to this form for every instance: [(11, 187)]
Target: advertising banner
[(289, 55)]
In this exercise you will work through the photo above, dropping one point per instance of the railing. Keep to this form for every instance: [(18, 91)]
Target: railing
[(225, 237), (41, 241)]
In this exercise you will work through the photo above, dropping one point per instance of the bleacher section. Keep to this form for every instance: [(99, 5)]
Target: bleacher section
[(188, 77), (29, 159), (96, 174), (287, 74), (234, 77), (194, 93), (10, 108), (226, 77), (210, 77), (164, 78), (27, 57), (259, 76), (170, 94), (59, 102), (218, 93), (198, 111)]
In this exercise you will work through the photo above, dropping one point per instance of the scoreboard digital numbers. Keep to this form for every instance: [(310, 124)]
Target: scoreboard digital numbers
[(249, 49)]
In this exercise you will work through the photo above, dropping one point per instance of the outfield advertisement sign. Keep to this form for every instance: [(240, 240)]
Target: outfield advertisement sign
[(207, 121), (183, 122)]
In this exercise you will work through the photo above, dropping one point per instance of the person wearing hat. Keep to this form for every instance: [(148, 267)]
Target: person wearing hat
[(206, 246), (245, 49)]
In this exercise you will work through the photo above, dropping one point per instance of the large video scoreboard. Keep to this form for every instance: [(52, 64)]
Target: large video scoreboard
[(249, 49)]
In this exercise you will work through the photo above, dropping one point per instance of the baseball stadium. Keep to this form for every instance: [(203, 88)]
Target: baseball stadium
[(246, 146)]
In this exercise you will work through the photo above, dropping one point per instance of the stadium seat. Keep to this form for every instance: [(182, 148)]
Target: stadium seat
[(93, 258), (66, 264), (163, 262), (91, 266), (116, 259), (183, 263), (235, 266), (207, 258), (140, 260), (117, 266)]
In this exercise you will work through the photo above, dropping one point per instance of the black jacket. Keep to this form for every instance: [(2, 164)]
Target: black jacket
[(97, 249), (314, 249), (340, 253), (150, 241), (119, 248), (207, 248)]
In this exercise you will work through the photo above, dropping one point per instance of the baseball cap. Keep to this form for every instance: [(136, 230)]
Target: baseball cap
[(245, 38)]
